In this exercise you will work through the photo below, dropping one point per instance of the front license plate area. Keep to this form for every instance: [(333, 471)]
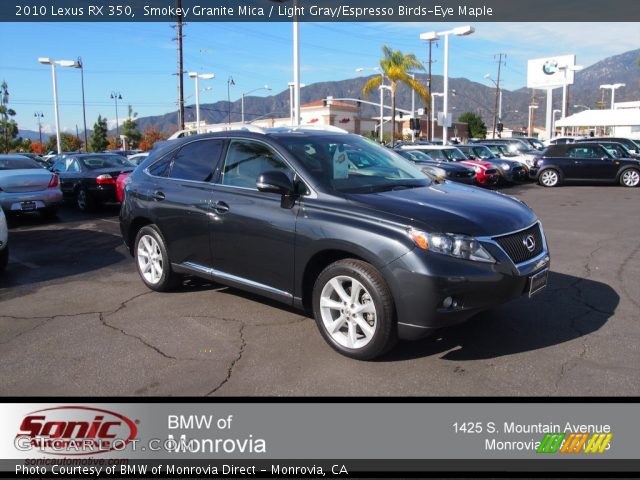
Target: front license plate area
[(538, 282)]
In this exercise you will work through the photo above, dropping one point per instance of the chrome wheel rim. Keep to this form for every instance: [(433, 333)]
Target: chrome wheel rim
[(150, 259), (549, 178), (348, 312), (631, 178)]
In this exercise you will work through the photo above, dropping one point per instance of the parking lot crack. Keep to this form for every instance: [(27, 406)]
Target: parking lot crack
[(243, 344), (140, 339), (44, 321)]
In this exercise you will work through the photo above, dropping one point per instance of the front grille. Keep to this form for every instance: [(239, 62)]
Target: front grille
[(462, 174), (515, 247), (491, 171)]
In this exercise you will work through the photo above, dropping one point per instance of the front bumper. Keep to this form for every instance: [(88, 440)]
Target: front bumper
[(421, 281), (12, 202)]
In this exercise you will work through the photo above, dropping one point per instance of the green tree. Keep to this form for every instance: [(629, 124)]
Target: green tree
[(68, 143), (397, 66), (130, 129), (98, 139), (8, 126), (477, 128)]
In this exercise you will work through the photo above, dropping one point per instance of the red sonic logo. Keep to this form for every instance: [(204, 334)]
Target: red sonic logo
[(72, 430)]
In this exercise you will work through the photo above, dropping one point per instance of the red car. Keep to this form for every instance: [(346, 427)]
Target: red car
[(486, 173), (121, 182)]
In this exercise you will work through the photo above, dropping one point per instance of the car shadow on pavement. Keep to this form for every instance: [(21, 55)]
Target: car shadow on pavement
[(569, 308), (40, 255)]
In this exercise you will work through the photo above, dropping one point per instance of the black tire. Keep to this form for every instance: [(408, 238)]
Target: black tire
[(4, 258), (168, 280), (630, 178), (84, 201), (549, 178), (385, 333), (49, 213)]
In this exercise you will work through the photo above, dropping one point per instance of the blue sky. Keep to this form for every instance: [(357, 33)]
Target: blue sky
[(139, 59)]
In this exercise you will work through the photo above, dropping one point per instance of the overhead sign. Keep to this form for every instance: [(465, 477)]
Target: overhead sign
[(551, 72)]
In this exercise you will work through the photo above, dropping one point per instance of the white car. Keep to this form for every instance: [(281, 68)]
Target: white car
[(4, 241)]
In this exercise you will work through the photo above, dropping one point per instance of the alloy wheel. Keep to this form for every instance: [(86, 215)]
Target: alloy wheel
[(348, 312), (549, 178), (631, 178), (150, 259)]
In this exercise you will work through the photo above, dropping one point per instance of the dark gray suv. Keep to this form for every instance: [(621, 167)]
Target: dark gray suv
[(334, 224)]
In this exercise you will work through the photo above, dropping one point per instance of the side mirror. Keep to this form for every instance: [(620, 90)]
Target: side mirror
[(273, 181)]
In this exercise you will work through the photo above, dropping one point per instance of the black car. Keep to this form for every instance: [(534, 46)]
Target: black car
[(90, 179), (632, 145), (440, 170), (583, 161), (377, 252), (510, 170)]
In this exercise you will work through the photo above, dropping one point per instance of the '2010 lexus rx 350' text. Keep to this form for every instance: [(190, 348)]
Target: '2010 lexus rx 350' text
[(374, 249)]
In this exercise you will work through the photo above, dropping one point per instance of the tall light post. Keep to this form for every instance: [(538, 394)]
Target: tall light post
[(115, 96), (433, 113), (229, 83), (39, 116), (196, 76), (291, 107), (393, 134), (377, 69), (553, 122), (530, 124), (266, 87), (79, 64), (459, 31), (53, 63), (613, 87)]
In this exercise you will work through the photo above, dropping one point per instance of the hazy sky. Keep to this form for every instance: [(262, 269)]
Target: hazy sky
[(139, 59)]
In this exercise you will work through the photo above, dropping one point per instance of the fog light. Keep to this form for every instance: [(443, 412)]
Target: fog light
[(447, 302)]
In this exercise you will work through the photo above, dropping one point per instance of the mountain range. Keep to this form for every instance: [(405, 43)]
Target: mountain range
[(465, 95)]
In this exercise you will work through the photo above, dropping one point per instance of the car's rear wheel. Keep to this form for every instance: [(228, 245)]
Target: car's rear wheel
[(354, 309), (4, 258), (630, 178), (152, 260), (84, 201), (549, 178)]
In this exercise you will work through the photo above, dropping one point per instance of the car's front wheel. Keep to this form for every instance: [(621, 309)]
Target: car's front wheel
[(549, 178), (152, 260), (354, 309), (630, 178)]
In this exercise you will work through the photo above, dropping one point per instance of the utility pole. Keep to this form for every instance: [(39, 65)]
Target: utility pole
[(39, 116), (180, 67), (495, 109), (430, 61)]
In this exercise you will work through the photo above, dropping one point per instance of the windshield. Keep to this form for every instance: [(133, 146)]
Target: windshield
[(349, 163), (95, 162), (415, 155), (482, 152), (18, 163), (537, 144), (454, 154)]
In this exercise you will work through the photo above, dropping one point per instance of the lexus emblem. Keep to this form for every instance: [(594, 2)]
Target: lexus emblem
[(530, 242)]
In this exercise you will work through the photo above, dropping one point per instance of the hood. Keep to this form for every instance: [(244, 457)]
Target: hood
[(451, 208), (479, 163)]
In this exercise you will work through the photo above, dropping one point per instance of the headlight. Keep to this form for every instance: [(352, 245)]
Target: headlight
[(505, 166), (458, 246)]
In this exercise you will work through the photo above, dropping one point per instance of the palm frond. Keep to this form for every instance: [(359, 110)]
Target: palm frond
[(371, 85)]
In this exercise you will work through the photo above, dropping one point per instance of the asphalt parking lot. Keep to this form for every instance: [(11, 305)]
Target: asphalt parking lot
[(75, 319)]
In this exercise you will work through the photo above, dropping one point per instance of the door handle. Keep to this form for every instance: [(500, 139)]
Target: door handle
[(158, 195), (220, 207)]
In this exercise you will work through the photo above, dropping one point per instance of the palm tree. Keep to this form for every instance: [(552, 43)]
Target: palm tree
[(396, 67)]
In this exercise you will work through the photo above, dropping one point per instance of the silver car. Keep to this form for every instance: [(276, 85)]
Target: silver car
[(4, 241), (25, 186)]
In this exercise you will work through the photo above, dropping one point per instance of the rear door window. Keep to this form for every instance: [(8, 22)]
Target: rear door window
[(197, 161)]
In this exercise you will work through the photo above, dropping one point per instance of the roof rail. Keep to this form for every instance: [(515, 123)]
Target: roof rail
[(218, 128)]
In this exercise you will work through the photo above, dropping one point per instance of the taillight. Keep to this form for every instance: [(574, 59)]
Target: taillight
[(105, 180), (126, 180), (53, 183)]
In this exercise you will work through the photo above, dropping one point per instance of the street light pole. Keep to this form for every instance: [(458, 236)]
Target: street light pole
[(196, 76), (80, 65), (266, 87), (48, 61), (229, 83), (459, 31), (613, 88), (115, 96)]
